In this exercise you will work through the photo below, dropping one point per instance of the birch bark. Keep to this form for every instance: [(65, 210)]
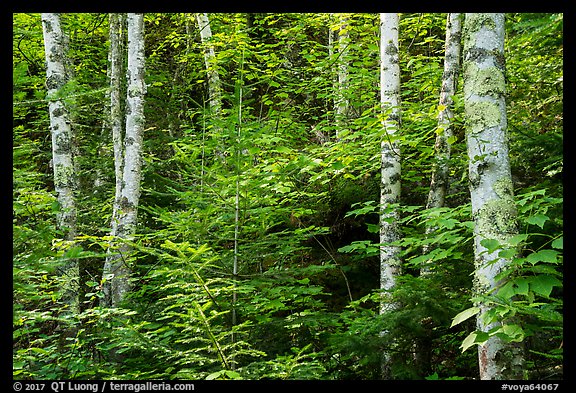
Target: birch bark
[(341, 103), (449, 82), (117, 26), (390, 151), (439, 181), (65, 182), (117, 270), (440, 169), (115, 124), (491, 189), (390, 266), (214, 84)]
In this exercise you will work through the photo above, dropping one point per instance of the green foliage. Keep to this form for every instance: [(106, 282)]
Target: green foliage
[(528, 303), (267, 186)]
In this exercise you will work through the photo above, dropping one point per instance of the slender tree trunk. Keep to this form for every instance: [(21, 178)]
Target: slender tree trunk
[(117, 269), (440, 169), (341, 103), (65, 182), (491, 189), (390, 266), (115, 124), (331, 39), (117, 25), (439, 182), (112, 122), (214, 84)]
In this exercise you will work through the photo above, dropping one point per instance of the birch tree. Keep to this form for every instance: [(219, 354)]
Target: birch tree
[(444, 135), (214, 84), (117, 269), (440, 169), (390, 161), (117, 22), (341, 103), (65, 182), (493, 208), (112, 120), (114, 124)]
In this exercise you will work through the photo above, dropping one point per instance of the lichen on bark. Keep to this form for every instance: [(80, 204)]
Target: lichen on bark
[(476, 21), (487, 81), (63, 176), (481, 115), (496, 219)]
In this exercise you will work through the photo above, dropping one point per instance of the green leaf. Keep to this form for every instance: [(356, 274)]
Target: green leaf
[(363, 210), (509, 333), (74, 252), (464, 315), (468, 341), (448, 223), (433, 377), (517, 239), (275, 305), (558, 243), (283, 149), (41, 351), (507, 290), (55, 206), (476, 337), (543, 284), (373, 228), (507, 253), (518, 286), (490, 244), (522, 286), (338, 165), (549, 256), (223, 374), (364, 246), (538, 219), (216, 375)]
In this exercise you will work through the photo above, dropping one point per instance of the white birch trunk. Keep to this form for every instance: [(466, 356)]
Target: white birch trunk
[(390, 266), (62, 157), (491, 189), (331, 43), (214, 85), (439, 181), (390, 150), (449, 81), (117, 23), (117, 268), (115, 123), (341, 102)]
